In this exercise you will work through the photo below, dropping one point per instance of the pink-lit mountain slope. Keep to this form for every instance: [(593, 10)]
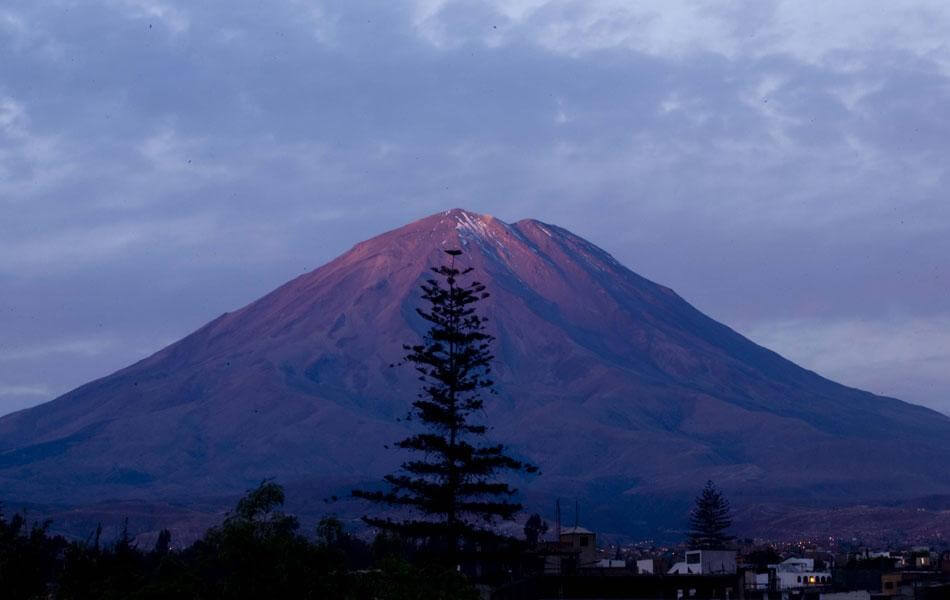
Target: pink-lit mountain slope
[(625, 395)]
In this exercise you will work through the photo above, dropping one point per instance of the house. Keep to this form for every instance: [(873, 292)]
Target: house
[(610, 563), (582, 543), (706, 562), (647, 566), (919, 558), (798, 573), (681, 568), (575, 548), (755, 582), (891, 584)]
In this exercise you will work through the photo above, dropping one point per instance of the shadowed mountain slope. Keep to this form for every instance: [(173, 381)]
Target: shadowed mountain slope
[(623, 393)]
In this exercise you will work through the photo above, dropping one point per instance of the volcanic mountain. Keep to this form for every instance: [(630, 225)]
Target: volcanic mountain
[(627, 397)]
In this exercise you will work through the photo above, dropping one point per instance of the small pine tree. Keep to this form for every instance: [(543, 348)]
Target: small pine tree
[(534, 529), (709, 520), (451, 487), (163, 544)]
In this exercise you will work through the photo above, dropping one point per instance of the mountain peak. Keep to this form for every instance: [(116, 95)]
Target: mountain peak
[(481, 227), (466, 220), (600, 373), (463, 212), (458, 227)]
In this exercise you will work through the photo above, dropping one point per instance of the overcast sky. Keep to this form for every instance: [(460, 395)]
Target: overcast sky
[(782, 165)]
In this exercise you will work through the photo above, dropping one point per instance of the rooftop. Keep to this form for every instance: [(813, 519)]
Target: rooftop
[(567, 530)]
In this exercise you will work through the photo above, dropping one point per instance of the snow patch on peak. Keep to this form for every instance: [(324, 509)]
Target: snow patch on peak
[(542, 227), (489, 233), (474, 223), (459, 212)]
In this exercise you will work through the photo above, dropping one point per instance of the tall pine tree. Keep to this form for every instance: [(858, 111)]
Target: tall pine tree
[(451, 488), (709, 520)]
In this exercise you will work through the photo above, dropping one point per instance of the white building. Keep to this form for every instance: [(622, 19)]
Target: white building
[(706, 562), (610, 563), (798, 573), (680, 568), (646, 566)]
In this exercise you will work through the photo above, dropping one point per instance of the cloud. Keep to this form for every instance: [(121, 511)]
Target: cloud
[(24, 390), (771, 161), (170, 153), (866, 353), (29, 162), (575, 28), (15, 397), (166, 13), (80, 347), (841, 33), (322, 23), (69, 249), (11, 117), (20, 34), (837, 34)]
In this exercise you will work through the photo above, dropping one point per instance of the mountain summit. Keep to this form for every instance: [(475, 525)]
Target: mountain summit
[(625, 395)]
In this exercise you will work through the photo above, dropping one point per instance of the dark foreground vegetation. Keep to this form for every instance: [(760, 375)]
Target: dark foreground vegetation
[(257, 552)]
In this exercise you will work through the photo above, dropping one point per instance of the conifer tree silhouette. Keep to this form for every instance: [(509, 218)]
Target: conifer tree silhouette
[(709, 520), (450, 488)]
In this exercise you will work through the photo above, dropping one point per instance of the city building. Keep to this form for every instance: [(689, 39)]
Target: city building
[(798, 573), (706, 562), (582, 543)]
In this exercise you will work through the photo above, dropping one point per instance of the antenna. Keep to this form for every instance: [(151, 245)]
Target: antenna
[(577, 511), (557, 519)]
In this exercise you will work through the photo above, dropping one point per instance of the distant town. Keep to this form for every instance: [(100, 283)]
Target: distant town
[(574, 565)]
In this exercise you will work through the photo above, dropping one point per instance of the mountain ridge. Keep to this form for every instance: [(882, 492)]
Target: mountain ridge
[(620, 389)]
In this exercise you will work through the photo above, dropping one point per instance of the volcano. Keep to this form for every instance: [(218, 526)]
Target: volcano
[(626, 396)]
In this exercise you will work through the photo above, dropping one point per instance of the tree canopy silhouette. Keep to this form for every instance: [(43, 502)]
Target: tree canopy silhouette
[(451, 488), (534, 529), (257, 552), (709, 519)]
